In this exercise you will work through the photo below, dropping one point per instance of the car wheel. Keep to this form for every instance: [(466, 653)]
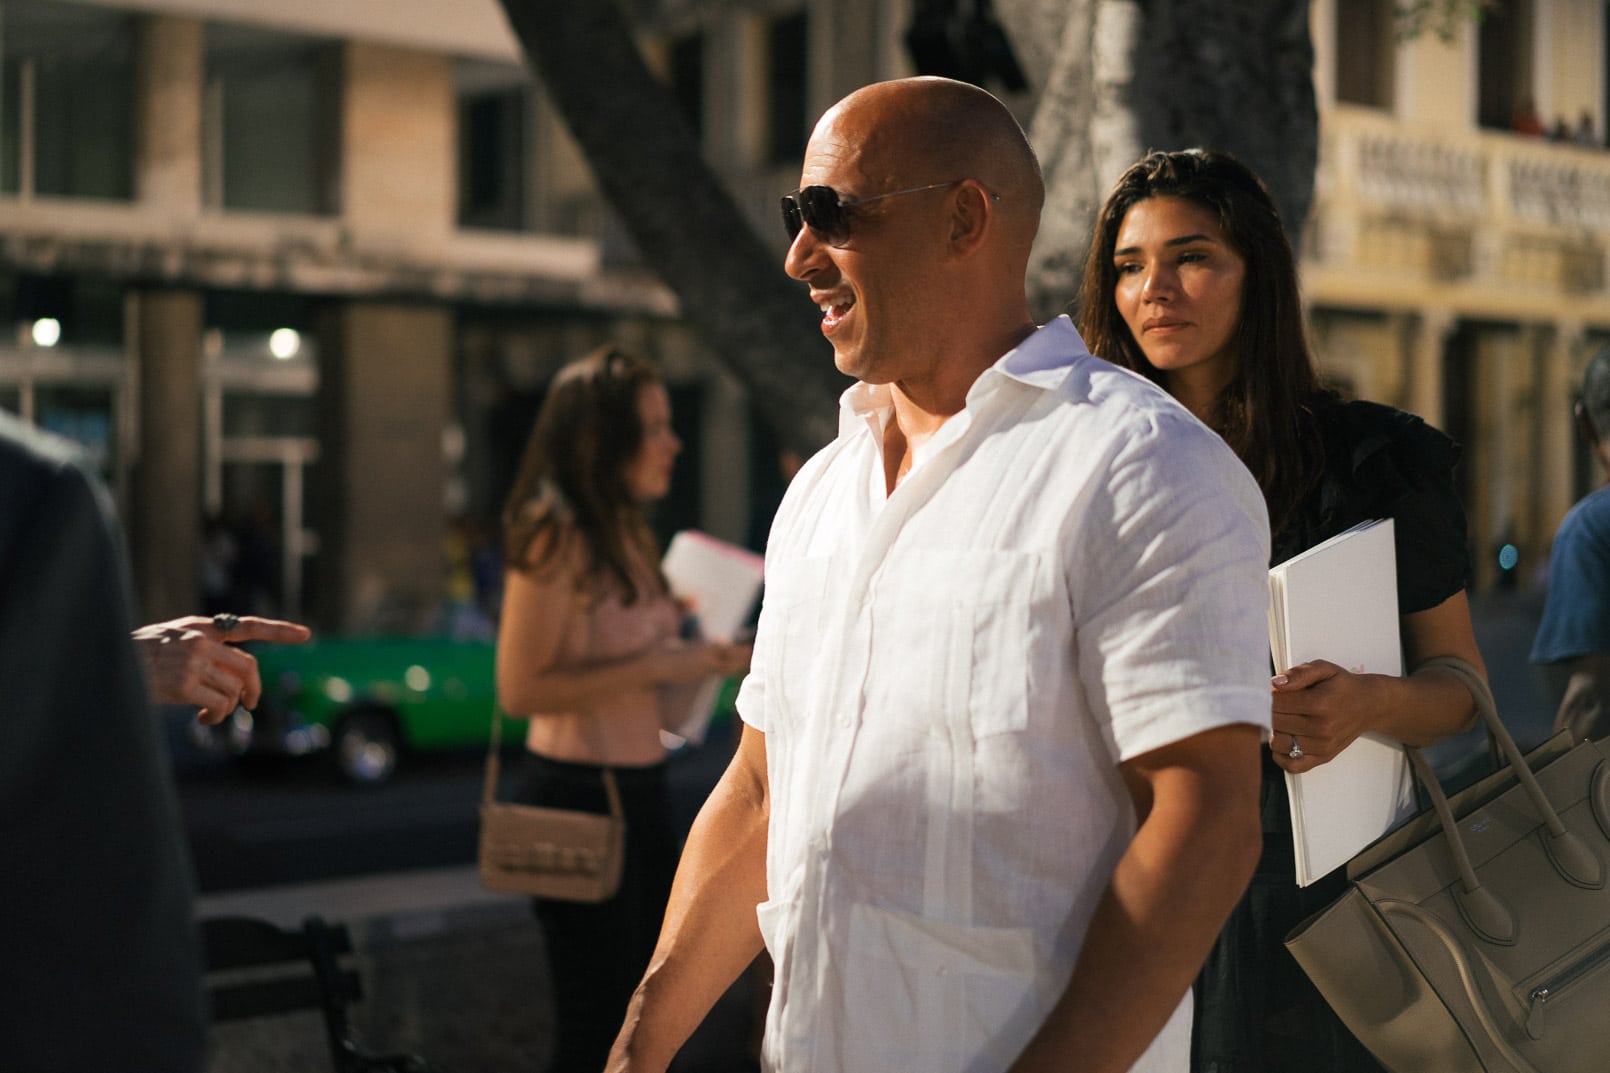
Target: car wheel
[(367, 747)]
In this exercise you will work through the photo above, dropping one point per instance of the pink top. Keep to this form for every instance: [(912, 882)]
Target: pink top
[(613, 629), (623, 729)]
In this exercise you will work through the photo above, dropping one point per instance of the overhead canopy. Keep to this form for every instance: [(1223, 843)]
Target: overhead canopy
[(463, 27)]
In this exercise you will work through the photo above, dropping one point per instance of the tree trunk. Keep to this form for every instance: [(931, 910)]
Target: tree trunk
[(687, 227), (1236, 75), (1126, 76)]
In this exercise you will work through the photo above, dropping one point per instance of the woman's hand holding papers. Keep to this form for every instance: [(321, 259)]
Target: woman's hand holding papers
[(1325, 708)]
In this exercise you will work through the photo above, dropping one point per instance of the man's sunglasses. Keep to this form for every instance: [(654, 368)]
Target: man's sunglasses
[(821, 209)]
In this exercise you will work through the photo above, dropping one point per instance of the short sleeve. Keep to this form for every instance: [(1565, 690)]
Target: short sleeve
[(1403, 468), (1576, 615), (1168, 569), (751, 700)]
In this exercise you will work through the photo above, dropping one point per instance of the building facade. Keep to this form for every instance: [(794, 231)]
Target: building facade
[(1454, 261), (298, 273)]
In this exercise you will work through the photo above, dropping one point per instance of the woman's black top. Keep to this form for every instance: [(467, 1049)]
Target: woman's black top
[(1256, 1011)]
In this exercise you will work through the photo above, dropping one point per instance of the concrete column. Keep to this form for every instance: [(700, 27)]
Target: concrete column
[(725, 454), (398, 154), (1425, 341), (167, 101), (384, 390), (164, 522), (1558, 381), (1526, 463), (1503, 494), (844, 53), (730, 94), (1321, 19)]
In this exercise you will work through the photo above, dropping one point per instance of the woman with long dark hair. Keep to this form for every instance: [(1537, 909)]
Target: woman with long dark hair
[(590, 650), (1191, 282)]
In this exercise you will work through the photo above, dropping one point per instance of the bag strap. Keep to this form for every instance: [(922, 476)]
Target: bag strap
[(1571, 859), (494, 765), (494, 747)]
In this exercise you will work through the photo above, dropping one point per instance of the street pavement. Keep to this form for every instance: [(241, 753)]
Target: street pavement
[(1505, 623), (457, 973), (450, 971)]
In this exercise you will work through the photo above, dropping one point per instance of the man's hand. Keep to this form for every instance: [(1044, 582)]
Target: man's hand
[(1585, 708), (193, 660)]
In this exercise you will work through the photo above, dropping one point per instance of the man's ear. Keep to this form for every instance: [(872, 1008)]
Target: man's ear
[(1591, 437), (972, 215), (1584, 425)]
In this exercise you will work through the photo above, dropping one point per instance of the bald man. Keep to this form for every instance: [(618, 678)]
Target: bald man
[(997, 787)]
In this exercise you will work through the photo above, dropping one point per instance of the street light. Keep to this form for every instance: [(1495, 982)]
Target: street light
[(46, 332), (284, 343)]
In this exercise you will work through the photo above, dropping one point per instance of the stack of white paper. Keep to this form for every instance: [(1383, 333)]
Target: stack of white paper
[(1338, 601), (717, 583)]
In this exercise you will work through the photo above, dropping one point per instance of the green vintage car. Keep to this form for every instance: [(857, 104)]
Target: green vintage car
[(369, 701)]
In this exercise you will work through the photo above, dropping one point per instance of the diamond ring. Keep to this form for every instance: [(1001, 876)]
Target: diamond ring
[(223, 622), (1296, 752)]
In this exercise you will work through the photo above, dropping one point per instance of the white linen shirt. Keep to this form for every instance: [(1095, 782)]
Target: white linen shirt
[(1073, 573)]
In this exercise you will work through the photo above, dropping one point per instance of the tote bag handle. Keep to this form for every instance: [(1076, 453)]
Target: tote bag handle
[(1574, 862)]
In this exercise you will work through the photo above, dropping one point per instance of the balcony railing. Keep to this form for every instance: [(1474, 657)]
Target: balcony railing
[(1480, 212)]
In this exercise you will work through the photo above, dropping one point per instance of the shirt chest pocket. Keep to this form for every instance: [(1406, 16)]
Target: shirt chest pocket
[(951, 637)]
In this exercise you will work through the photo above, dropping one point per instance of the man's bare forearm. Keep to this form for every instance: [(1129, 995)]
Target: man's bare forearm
[(710, 933), (1170, 893)]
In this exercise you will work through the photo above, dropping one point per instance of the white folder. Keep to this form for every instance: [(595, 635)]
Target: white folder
[(1338, 601)]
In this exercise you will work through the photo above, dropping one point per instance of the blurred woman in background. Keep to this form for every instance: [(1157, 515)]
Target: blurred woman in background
[(590, 650)]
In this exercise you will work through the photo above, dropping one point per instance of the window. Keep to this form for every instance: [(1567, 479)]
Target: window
[(66, 93), (785, 85), (271, 122), (81, 414), (86, 311), (687, 79), (259, 380), (1504, 69), (260, 329), (493, 117), (1365, 52)]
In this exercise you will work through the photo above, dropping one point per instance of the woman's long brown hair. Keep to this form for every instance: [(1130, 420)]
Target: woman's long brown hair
[(1265, 413), (587, 432)]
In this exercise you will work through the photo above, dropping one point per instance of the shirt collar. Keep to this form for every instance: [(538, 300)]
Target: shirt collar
[(1045, 358), (1042, 360), (864, 404)]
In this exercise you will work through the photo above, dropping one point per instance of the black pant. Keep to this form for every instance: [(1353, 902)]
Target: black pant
[(597, 952)]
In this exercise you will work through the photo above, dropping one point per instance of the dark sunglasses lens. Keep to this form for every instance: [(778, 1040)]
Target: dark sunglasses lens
[(816, 207), (820, 207), (792, 219)]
